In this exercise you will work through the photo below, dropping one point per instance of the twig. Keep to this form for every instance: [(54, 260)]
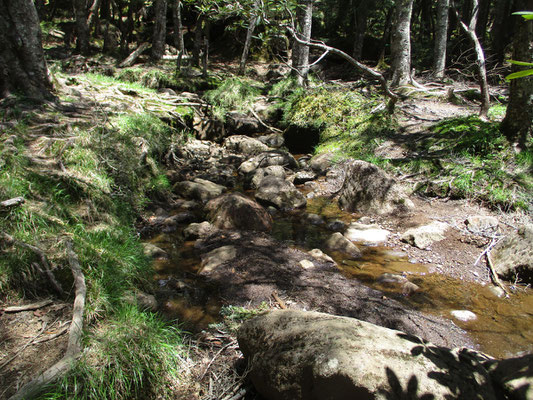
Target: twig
[(27, 307), (492, 243), (279, 301), (14, 202), (215, 357), (34, 387), (24, 347), (262, 123), (61, 331), (494, 276), (44, 260)]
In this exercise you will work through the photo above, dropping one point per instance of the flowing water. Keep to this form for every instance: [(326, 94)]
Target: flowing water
[(503, 328)]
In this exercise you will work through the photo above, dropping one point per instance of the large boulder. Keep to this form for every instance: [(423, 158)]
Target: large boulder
[(266, 159), (512, 258), (297, 355), (199, 189), (322, 162), (368, 233), (238, 123), (245, 145), (236, 211), (368, 189), (279, 193), (514, 376), (258, 175), (338, 242)]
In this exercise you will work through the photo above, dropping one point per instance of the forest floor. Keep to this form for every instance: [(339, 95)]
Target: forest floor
[(31, 341)]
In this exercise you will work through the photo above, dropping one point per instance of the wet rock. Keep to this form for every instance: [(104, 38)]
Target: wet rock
[(512, 258), (259, 174), (314, 219), (236, 211), (358, 232), (209, 128), (217, 257), (199, 189), (279, 193), (336, 225), (337, 242), (303, 176), (274, 157), (368, 189), (171, 223), (321, 163), (480, 224), (319, 255), (245, 145), (273, 140), (307, 355), (424, 236), (398, 281), (198, 230), (513, 375), (237, 123), (463, 315), (152, 251), (194, 149)]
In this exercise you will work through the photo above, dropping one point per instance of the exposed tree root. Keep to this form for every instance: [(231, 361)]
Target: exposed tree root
[(35, 386), (27, 307)]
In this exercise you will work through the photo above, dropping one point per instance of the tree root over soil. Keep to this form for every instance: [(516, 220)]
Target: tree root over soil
[(35, 386)]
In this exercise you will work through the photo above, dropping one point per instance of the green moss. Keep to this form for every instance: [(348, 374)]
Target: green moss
[(234, 94)]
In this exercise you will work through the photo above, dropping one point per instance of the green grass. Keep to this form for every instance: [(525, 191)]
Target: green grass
[(133, 354), (233, 94)]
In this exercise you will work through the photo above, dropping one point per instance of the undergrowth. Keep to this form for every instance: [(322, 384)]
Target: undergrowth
[(86, 184), (233, 94), (462, 157)]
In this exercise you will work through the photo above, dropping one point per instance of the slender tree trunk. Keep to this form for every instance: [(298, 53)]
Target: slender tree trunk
[(360, 22), (160, 29), (518, 122), (178, 27), (470, 31), (401, 43), (82, 27), (22, 64), (198, 34), (93, 19), (441, 38), (300, 55), (483, 19), (252, 23), (500, 29), (386, 35)]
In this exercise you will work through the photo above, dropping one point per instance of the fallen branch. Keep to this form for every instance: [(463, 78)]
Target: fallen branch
[(494, 275), (44, 260), (281, 303), (27, 307), (130, 60), (35, 386), (262, 123), (14, 202), (61, 331)]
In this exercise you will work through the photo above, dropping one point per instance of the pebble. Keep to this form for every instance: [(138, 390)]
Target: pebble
[(463, 315)]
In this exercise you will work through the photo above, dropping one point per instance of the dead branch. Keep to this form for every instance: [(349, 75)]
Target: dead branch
[(34, 387), (14, 202), (263, 123), (61, 331), (44, 260), (27, 307), (494, 275), (280, 302), (233, 342), (130, 60)]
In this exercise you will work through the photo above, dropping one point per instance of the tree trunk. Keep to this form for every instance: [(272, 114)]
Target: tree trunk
[(441, 38), (500, 29), (483, 19), (160, 29), (82, 27), (198, 34), (22, 64), (300, 55), (518, 122), (470, 31), (252, 23), (401, 43), (360, 22), (178, 27)]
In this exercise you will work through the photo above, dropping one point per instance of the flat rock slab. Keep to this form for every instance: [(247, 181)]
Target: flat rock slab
[(372, 233), (199, 189), (297, 355), (424, 236)]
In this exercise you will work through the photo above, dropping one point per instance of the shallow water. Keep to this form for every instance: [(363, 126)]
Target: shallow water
[(503, 328)]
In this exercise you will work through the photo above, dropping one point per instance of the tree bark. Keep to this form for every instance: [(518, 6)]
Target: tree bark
[(22, 63), (300, 55), (470, 31), (252, 23), (500, 29), (178, 27), (518, 122), (401, 43), (441, 38), (360, 22), (160, 29), (198, 34), (82, 27)]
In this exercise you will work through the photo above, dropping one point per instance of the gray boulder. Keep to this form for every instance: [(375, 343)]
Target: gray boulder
[(368, 189), (321, 163), (153, 251), (245, 145), (274, 157), (259, 174), (424, 236), (198, 230), (481, 224), (217, 257), (297, 355), (338, 242), (241, 123), (236, 211), (370, 233), (512, 258), (279, 193), (199, 189)]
